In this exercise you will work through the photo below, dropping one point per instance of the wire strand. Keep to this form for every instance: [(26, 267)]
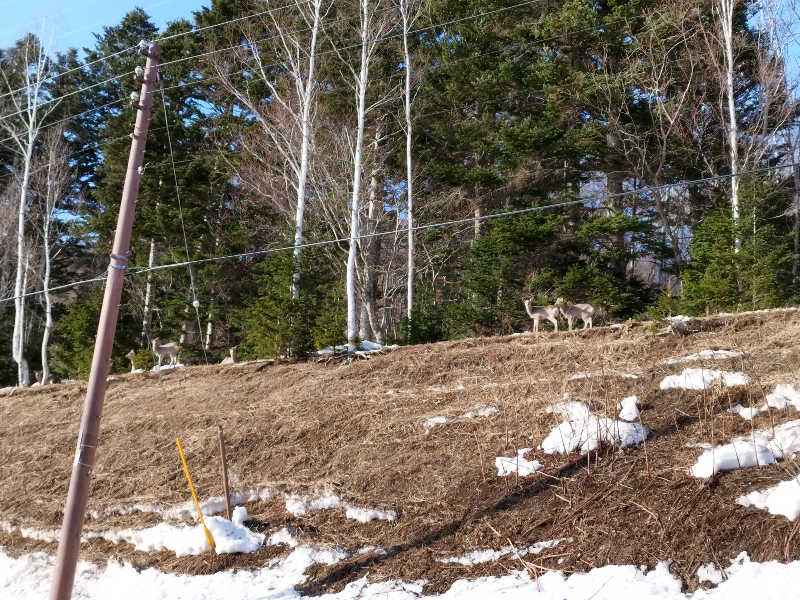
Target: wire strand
[(195, 302), (470, 219)]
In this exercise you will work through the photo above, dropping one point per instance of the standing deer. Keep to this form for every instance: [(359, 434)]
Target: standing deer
[(571, 312), (166, 350), (541, 312), (130, 356)]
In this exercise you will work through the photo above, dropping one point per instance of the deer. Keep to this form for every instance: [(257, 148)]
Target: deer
[(232, 358), (130, 356), (541, 312), (166, 350), (571, 312)]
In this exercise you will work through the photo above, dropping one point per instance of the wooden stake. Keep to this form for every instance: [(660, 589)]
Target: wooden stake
[(78, 494), (224, 466)]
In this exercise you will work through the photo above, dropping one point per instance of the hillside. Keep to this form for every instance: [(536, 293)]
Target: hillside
[(363, 435)]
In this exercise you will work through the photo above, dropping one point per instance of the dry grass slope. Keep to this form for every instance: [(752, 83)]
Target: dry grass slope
[(359, 430)]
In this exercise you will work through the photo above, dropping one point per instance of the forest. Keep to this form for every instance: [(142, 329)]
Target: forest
[(319, 172)]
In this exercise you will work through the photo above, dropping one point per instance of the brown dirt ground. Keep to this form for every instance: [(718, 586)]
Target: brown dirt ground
[(358, 430)]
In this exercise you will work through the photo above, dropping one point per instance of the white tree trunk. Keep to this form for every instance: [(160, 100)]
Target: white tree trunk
[(409, 165), (48, 304), (20, 285), (305, 126), (355, 203), (148, 294), (726, 9)]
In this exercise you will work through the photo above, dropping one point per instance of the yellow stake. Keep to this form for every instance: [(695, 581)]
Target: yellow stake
[(194, 496)]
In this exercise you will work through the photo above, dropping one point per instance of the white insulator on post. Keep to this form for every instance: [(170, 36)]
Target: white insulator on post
[(139, 71), (134, 97), (196, 303)]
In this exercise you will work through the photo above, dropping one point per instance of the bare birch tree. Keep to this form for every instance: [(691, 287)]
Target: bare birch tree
[(22, 122), (51, 183), (374, 21), (408, 13), (749, 139), (286, 69)]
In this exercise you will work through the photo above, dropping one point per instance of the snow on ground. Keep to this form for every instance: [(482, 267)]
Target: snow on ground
[(746, 412), (583, 430), (300, 505), (704, 355), (628, 410), (186, 510), (485, 411), (729, 457), (28, 578), (483, 555), (784, 394), (516, 464), (762, 447), (700, 379), (709, 573), (365, 515), (432, 422), (363, 345), (156, 368), (782, 499), (229, 536), (603, 373)]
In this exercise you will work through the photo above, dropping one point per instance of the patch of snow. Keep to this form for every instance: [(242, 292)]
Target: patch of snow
[(783, 395), (156, 368), (365, 515), (782, 499), (584, 430), (628, 410), (485, 411), (746, 412), (704, 445), (700, 379), (363, 345), (229, 536), (516, 464), (368, 345), (32, 533), (704, 355), (603, 373), (762, 447), (28, 577), (480, 412), (432, 422), (483, 555), (299, 505), (709, 573), (729, 457)]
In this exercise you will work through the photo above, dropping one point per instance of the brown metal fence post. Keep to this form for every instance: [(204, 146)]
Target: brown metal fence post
[(224, 466), (77, 496)]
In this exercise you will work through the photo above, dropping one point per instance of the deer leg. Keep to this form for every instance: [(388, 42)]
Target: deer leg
[(554, 322), (536, 325)]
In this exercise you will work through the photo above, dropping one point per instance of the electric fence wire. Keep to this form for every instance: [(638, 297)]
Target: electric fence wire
[(195, 301), (471, 219), (197, 80)]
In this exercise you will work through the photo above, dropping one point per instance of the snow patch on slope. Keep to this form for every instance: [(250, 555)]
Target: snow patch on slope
[(701, 379), (762, 447), (483, 555), (516, 464), (583, 430), (782, 499), (704, 355)]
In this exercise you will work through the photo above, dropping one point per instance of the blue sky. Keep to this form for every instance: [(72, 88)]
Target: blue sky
[(70, 23)]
